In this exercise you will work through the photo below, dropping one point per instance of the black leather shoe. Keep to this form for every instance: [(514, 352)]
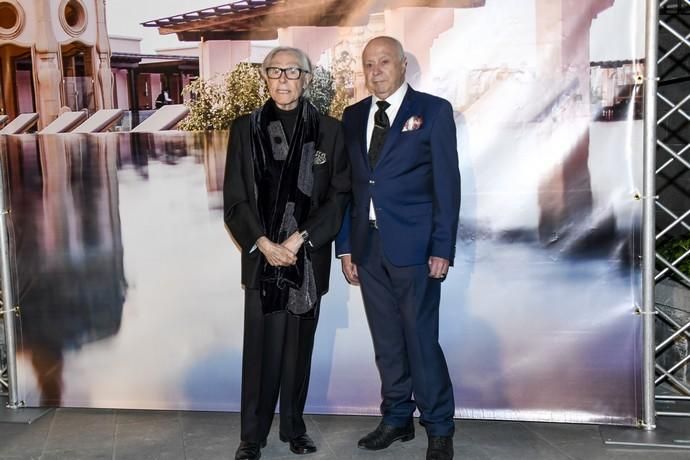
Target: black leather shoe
[(300, 445), (440, 448), (384, 435), (249, 450)]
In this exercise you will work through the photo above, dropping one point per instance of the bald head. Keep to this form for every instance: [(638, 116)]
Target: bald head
[(387, 41), (384, 65)]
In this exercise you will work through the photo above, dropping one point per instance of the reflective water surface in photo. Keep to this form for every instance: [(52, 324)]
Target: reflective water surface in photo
[(130, 291)]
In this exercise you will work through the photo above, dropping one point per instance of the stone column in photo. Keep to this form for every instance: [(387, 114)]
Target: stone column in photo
[(563, 36), (103, 84), (46, 66), (217, 57), (312, 40), (9, 97)]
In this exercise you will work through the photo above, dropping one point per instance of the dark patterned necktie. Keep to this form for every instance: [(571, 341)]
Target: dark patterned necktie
[(378, 136)]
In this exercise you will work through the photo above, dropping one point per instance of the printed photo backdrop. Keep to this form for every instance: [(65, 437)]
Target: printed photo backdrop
[(129, 283)]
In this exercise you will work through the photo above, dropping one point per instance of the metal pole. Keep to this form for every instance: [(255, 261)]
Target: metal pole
[(648, 226), (672, 398), (7, 286)]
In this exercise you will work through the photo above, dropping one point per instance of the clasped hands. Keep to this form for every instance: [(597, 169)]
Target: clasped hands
[(283, 254)]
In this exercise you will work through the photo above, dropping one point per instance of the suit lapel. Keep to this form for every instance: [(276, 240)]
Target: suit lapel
[(405, 111), (363, 119)]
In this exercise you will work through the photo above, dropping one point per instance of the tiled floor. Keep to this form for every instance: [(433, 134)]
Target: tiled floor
[(74, 434)]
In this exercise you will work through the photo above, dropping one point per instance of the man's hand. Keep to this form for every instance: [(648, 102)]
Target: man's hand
[(276, 255), (293, 243), (349, 270), (438, 267)]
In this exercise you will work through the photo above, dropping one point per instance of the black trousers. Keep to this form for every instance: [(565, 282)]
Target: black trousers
[(276, 361)]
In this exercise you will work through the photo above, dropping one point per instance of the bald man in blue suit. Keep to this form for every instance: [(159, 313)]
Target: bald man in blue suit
[(398, 242)]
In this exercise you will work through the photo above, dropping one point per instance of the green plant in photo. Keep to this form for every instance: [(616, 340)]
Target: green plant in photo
[(246, 89), (673, 249), (322, 89), (328, 93), (340, 100), (213, 104)]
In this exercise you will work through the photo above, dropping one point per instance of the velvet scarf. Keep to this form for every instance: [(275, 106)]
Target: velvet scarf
[(283, 175)]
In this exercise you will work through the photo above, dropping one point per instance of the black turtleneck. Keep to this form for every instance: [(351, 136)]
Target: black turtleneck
[(287, 118)]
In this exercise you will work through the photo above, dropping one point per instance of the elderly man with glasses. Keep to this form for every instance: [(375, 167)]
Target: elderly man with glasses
[(287, 184)]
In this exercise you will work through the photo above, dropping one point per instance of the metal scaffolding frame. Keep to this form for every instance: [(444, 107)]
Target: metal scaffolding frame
[(671, 201), (666, 228), (8, 306), (648, 217)]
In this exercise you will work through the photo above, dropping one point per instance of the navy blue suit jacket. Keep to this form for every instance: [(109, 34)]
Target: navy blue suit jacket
[(415, 185)]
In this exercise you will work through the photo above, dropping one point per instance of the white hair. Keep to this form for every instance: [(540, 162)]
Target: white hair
[(304, 61)]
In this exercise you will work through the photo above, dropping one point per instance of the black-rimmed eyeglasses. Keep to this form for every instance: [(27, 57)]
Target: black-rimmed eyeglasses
[(291, 73)]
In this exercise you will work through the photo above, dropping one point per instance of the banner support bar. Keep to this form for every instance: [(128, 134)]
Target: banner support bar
[(648, 209), (7, 287)]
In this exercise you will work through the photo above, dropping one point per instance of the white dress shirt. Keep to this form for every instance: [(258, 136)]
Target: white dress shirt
[(395, 101)]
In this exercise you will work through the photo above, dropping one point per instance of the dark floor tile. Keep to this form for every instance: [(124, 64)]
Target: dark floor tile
[(20, 439), (78, 454), (78, 430), (155, 437), (23, 457), (190, 419), (584, 442), (584, 451), (207, 442), (464, 449), (151, 453), (319, 455), (68, 413), (210, 435), (199, 431), (124, 417), (211, 453), (510, 441), (75, 434), (344, 446), (329, 424), (561, 433)]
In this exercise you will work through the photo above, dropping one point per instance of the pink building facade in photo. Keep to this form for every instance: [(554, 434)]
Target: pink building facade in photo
[(56, 55)]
